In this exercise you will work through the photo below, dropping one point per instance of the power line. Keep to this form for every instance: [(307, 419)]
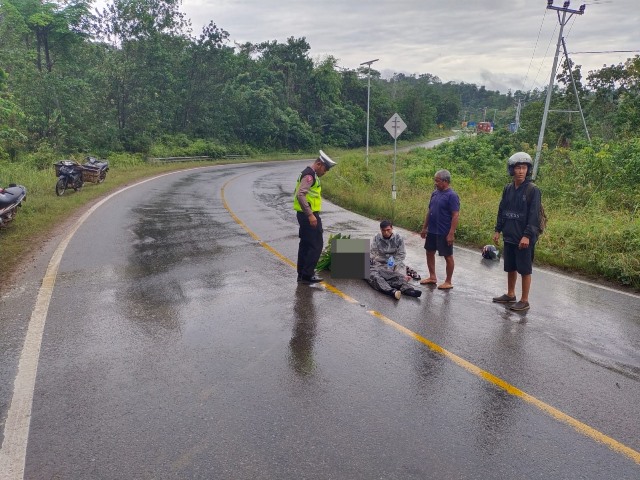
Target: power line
[(535, 80), (607, 51), (534, 48)]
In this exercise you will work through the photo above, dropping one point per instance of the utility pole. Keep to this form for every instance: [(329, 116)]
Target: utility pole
[(518, 114), (567, 13), (368, 63)]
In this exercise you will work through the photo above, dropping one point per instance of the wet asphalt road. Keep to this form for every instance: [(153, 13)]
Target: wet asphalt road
[(178, 345)]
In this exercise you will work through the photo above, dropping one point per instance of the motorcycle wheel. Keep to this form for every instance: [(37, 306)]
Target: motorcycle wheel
[(78, 185), (102, 176), (61, 186)]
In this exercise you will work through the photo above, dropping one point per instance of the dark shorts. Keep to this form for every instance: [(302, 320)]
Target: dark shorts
[(438, 242), (518, 260)]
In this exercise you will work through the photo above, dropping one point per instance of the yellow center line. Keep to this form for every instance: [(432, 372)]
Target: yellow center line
[(553, 412)]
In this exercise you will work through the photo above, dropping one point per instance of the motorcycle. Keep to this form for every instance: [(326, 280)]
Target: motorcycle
[(11, 199), (95, 170), (69, 175)]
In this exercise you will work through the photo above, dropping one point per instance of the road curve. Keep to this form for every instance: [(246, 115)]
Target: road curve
[(176, 344)]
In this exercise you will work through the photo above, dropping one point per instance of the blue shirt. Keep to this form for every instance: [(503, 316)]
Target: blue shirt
[(441, 207)]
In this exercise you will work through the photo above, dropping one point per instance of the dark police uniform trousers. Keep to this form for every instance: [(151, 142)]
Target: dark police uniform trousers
[(310, 247)]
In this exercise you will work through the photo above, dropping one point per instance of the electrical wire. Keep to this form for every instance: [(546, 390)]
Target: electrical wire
[(545, 56), (605, 51), (534, 49)]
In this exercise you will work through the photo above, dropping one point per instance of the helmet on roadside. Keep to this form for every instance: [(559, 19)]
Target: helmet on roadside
[(490, 252), (519, 158)]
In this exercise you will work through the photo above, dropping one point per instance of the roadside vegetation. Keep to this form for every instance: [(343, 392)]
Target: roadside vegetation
[(132, 82), (590, 196), (43, 211)]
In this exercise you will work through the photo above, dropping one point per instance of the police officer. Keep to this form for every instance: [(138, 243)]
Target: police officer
[(307, 201)]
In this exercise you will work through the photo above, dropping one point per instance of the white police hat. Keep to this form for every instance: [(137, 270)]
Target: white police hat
[(326, 160)]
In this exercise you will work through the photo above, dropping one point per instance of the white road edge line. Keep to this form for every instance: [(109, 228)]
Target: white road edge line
[(16, 429), (555, 274)]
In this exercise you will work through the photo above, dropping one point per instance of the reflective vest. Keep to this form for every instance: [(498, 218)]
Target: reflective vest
[(313, 195)]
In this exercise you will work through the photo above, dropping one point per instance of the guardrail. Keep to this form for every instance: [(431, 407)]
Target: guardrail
[(229, 156), (178, 159)]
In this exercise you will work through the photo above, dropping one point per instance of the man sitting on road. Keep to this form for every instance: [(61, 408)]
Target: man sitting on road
[(387, 273)]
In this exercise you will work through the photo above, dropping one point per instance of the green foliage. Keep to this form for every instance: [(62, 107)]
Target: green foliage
[(131, 74), (182, 146), (11, 137), (324, 263), (603, 176), (124, 161), (590, 196), (44, 211), (131, 82), (43, 158)]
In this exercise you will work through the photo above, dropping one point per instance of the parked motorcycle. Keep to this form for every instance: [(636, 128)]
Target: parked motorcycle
[(69, 175), (95, 170), (11, 199)]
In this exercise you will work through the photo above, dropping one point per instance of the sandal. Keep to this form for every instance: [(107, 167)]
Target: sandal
[(428, 281), (413, 274)]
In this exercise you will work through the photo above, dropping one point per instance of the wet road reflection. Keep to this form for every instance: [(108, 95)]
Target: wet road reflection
[(203, 358), (496, 417), (304, 332)]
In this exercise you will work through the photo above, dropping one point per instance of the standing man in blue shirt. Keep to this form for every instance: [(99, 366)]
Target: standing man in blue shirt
[(439, 228)]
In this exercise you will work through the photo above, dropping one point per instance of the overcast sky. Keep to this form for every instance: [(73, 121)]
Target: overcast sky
[(496, 43)]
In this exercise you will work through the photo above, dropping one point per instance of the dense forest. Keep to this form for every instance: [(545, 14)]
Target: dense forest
[(74, 79), (132, 81)]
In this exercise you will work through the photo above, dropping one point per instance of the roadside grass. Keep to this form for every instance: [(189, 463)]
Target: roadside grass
[(43, 210), (585, 234), (593, 229)]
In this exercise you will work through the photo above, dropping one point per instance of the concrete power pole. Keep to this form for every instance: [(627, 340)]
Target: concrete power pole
[(368, 63), (518, 115), (564, 15)]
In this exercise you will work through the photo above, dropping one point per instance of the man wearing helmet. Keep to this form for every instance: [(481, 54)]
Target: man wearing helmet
[(518, 222), (307, 202)]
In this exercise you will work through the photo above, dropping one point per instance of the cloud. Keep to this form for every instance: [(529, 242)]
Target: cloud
[(496, 43)]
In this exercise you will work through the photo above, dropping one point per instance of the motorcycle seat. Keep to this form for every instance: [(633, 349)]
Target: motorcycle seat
[(95, 166), (95, 163), (10, 195)]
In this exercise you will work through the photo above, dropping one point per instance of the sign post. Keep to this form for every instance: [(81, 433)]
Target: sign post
[(395, 126)]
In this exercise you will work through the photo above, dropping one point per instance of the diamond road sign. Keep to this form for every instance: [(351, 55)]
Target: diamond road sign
[(395, 126)]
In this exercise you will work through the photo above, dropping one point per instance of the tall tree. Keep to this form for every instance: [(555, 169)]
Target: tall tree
[(208, 64), (291, 66), (11, 136), (148, 37)]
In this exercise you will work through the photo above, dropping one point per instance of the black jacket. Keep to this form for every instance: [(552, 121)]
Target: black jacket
[(518, 217)]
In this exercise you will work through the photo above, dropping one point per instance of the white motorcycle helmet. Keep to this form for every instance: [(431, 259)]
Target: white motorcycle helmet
[(519, 157)]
